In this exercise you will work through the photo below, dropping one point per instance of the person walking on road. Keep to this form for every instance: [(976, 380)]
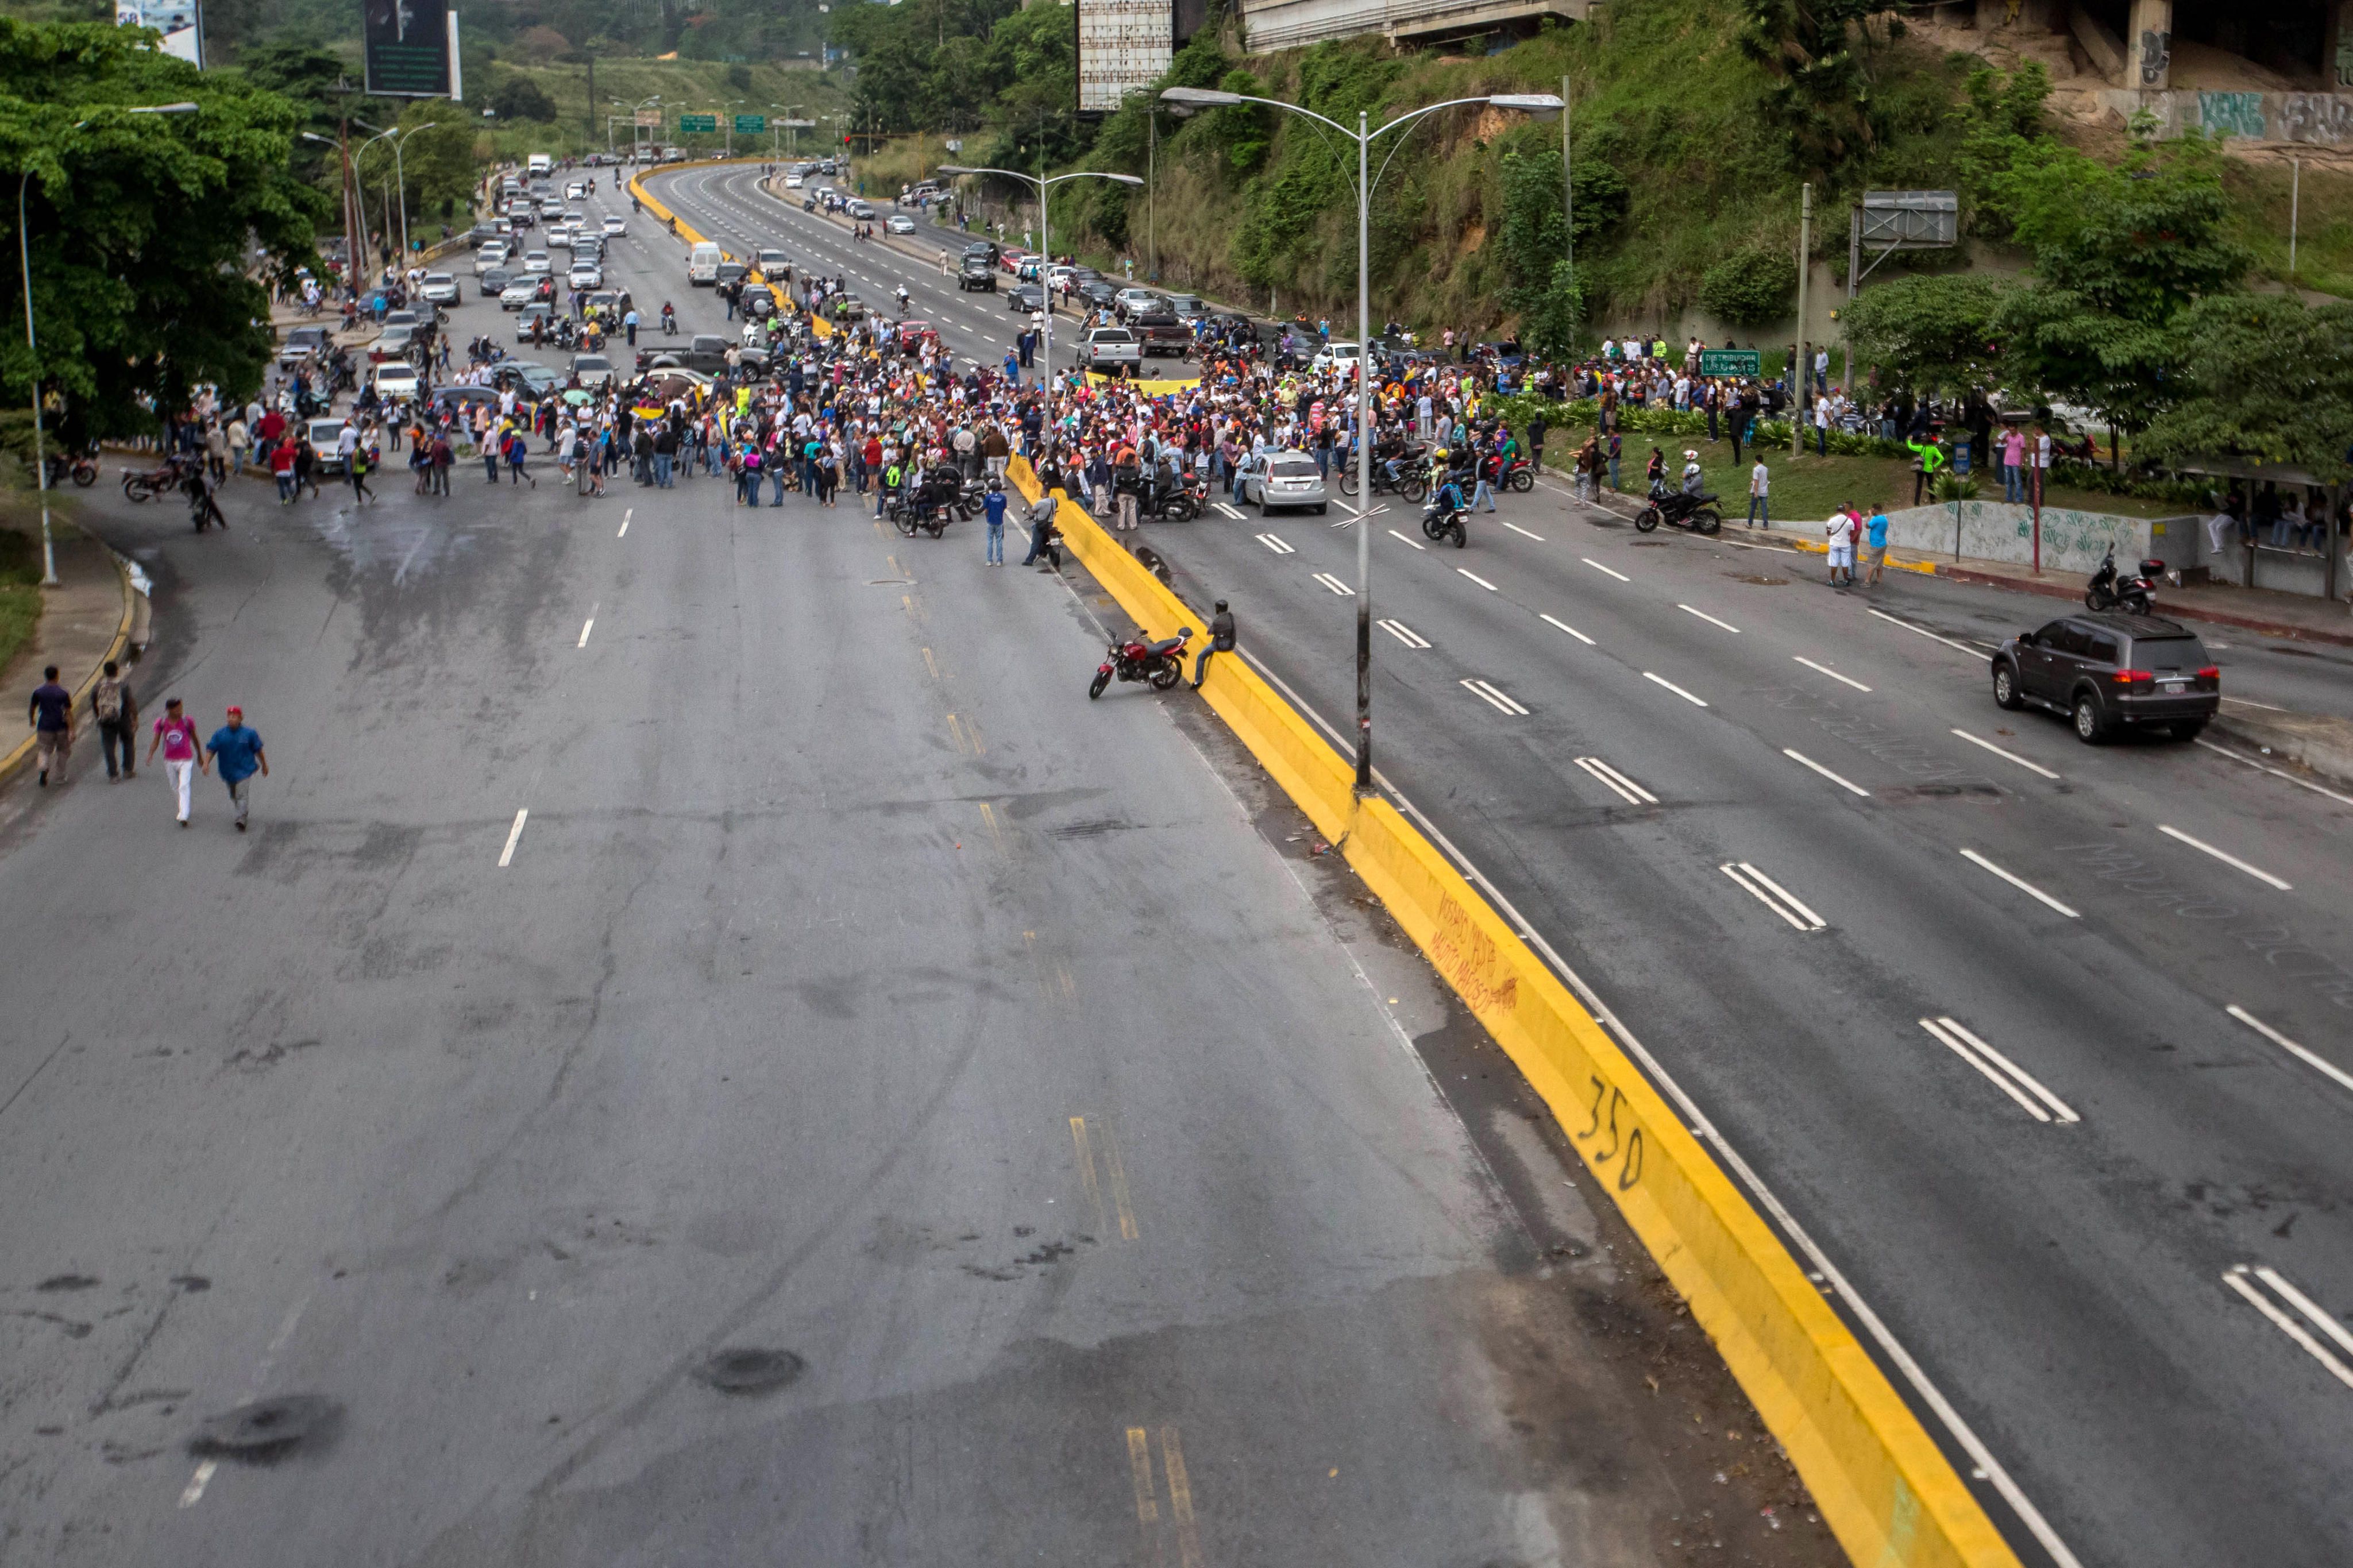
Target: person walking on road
[(175, 733), (1041, 532), (50, 713), (357, 464), (117, 712), (994, 505), (1222, 640), (237, 751)]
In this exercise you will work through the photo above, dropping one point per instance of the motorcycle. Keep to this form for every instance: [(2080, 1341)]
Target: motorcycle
[(1673, 508), (1520, 476), (81, 467), (1181, 501), (1160, 664), (1446, 523), (2107, 591), (157, 481), (1410, 484)]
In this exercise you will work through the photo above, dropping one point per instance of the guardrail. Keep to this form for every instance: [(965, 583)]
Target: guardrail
[(1882, 1485)]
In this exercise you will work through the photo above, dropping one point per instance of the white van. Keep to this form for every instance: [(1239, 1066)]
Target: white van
[(541, 163), (703, 264)]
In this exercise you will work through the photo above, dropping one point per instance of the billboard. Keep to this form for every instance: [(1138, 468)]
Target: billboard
[(408, 46), (181, 23), (1123, 45)]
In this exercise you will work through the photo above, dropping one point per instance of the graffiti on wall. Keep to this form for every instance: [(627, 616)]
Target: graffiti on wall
[(2156, 56), (2232, 113), (2321, 118)]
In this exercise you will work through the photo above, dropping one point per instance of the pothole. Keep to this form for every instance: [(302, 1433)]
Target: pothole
[(1761, 581), (748, 1369), (267, 1429)]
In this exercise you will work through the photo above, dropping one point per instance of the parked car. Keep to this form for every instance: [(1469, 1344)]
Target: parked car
[(705, 352), (771, 261), (494, 283), (912, 333), (1128, 302), (326, 436), (494, 253), (1280, 478), (515, 296), (899, 223), (1161, 333), (392, 344), (302, 345), (396, 383), (537, 311), (592, 369), (1098, 294), (1187, 308), (438, 289), (1025, 297), (1338, 356), (585, 275), (537, 261), (732, 271), (1112, 350), (792, 181), (2108, 671)]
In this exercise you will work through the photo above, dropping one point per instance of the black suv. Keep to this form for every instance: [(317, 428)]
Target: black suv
[(2107, 670), (976, 272)]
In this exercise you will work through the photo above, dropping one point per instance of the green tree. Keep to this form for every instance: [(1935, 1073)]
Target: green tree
[(519, 97), (2265, 378), (2119, 252), (1749, 287), (142, 228), (1816, 53), (1932, 333)]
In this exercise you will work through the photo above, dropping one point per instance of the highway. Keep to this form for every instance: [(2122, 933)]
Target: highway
[(714, 1051), (2041, 1047)]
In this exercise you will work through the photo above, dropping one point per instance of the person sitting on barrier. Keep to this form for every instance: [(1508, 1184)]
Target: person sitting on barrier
[(1222, 640)]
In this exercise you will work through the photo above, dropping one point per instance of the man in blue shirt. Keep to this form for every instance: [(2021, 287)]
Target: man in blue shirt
[(237, 751), (1875, 539), (993, 504), (51, 713)]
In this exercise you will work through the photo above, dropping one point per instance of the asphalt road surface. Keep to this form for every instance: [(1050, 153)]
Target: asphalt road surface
[(714, 1051), (2043, 1045)]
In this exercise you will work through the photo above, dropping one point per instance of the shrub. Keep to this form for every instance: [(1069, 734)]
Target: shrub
[(1749, 287)]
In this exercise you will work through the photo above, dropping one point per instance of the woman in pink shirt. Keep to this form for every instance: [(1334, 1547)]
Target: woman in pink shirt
[(2014, 460)]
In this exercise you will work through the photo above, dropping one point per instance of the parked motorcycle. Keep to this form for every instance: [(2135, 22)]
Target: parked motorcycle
[(2107, 591), (1411, 484), (1446, 523), (1676, 510), (147, 484), (81, 467), (1180, 501), (1161, 664)]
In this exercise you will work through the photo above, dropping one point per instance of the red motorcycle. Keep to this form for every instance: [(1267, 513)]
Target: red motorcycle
[(158, 481), (1521, 476), (1160, 663)]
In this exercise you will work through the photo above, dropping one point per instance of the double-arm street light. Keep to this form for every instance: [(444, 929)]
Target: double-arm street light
[(1046, 243), (398, 135), (1538, 103), (32, 344)]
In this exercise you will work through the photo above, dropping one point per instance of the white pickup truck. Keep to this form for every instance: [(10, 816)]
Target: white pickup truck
[(1112, 351)]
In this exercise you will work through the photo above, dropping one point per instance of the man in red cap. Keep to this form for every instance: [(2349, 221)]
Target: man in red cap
[(237, 751)]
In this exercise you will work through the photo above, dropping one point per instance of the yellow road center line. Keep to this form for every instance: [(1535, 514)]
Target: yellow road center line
[(1139, 1463), (1180, 1498), (956, 729), (988, 816), (1118, 1185), (1087, 1170), (931, 664)]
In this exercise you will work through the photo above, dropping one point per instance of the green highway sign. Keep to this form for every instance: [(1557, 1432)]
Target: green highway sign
[(1731, 361), (751, 125), (692, 124)]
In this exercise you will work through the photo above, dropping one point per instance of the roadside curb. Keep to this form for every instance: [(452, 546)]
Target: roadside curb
[(2323, 744), (21, 755)]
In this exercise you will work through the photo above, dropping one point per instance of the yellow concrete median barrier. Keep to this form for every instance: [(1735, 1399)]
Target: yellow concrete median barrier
[(1882, 1485)]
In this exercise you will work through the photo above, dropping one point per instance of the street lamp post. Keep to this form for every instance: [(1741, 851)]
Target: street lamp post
[(400, 178), (1363, 137), (1046, 238), (33, 347)]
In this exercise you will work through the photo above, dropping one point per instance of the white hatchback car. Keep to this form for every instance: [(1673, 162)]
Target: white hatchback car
[(1281, 478)]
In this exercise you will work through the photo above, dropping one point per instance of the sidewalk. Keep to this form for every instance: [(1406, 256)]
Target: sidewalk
[(2292, 616), (85, 621)]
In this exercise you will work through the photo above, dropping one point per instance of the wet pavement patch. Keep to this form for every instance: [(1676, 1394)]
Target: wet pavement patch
[(267, 1429), (68, 1282), (747, 1369)]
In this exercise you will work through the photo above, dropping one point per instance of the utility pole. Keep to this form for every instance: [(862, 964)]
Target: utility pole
[(2295, 203), (591, 127), (1567, 182), (1805, 250)]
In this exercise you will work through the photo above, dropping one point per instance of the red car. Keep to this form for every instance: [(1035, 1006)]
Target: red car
[(913, 335)]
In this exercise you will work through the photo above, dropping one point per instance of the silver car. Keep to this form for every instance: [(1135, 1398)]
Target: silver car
[(1282, 479)]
